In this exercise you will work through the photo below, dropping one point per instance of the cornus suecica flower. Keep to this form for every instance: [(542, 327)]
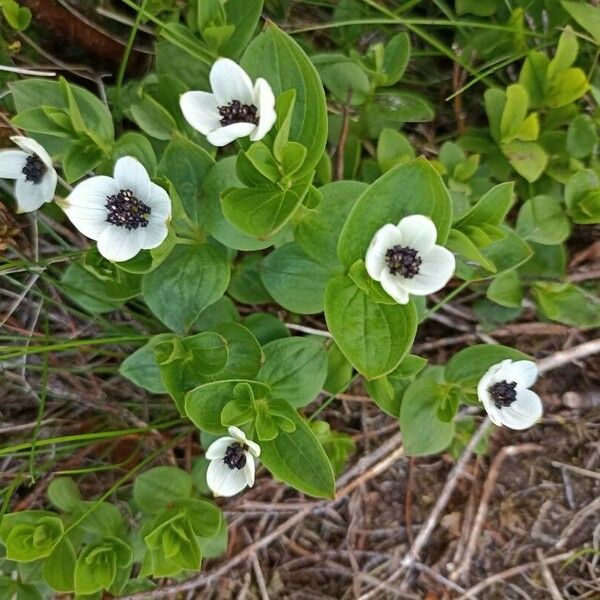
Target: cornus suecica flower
[(405, 259), (125, 213), (235, 109), (504, 391), (231, 466), (32, 168)]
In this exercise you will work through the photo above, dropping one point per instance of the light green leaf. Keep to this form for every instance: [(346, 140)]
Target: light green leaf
[(373, 337), (295, 369), (189, 280), (156, 489)]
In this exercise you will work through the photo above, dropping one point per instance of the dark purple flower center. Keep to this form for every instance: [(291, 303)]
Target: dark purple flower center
[(125, 210), (404, 261), (503, 393), (236, 112), (34, 168), (235, 456)]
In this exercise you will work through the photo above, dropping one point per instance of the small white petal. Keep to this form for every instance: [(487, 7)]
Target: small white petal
[(237, 433), (225, 135), (253, 447), (130, 174), (12, 163), (249, 470), (265, 104), (524, 412), (385, 238), (119, 244), (31, 196), (200, 111), (224, 481), (523, 372), (159, 203), (230, 82), (418, 232), (32, 147), (393, 285), (86, 205), (217, 449), (434, 272), (155, 233)]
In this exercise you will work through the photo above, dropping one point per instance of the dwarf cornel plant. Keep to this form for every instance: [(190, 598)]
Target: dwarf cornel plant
[(256, 175)]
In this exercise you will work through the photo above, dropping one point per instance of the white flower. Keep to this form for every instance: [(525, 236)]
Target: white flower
[(235, 109), (231, 466), (32, 168), (505, 394), (405, 259), (126, 213)]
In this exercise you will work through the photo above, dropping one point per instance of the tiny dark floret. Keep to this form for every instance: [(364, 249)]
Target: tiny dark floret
[(404, 261), (125, 210), (503, 393), (236, 112), (34, 169), (235, 457)]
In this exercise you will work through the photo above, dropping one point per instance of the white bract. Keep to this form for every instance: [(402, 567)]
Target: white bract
[(505, 394), (232, 465), (405, 259), (32, 168), (125, 213), (235, 109)]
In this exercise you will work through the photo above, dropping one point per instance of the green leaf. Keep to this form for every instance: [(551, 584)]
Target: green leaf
[(566, 53), (152, 118), (262, 212), (205, 404), (28, 541), (32, 93), (244, 15), (246, 285), (298, 459), (462, 245), (189, 280), (542, 219), (141, 368), (527, 158), (533, 77), (156, 489), (392, 109), (480, 8), (373, 337), (582, 196), (266, 327), (468, 366), (423, 192), (566, 87), (343, 78), (64, 494), (514, 113), (492, 208), (18, 17), (245, 353), (586, 15), (395, 57), (81, 158), (295, 369), (506, 290), (393, 148), (186, 165), (581, 136), (294, 280), (132, 143), (319, 230), (494, 100), (96, 567), (422, 431), (277, 57), (59, 567), (98, 519), (568, 304), (221, 177), (506, 253)]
